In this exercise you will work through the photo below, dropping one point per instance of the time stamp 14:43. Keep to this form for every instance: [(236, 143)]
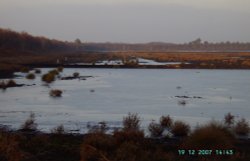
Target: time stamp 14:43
[(206, 152)]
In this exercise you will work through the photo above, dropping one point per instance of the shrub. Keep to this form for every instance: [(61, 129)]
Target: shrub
[(229, 119), (53, 72), (58, 130), (180, 129), (60, 69), (242, 128), (76, 74), (210, 136), (37, 71), (30, 76), (24, 69), (166, 121), (55, 93), (131, 122), (48, 78), (29, 124), (155, 129)]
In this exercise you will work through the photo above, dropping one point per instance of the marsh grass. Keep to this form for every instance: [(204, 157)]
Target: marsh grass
[(30, 76), (48, 78), (55, 93)]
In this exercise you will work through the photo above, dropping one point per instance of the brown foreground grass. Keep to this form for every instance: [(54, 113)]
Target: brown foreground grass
[(126, 144)]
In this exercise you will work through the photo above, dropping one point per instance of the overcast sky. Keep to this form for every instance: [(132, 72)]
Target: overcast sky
[(130, 20)]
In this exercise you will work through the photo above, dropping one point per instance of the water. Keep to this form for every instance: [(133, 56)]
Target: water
[(148, 92)]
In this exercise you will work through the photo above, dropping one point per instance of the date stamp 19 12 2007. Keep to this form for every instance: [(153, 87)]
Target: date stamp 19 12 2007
[(204, 152)]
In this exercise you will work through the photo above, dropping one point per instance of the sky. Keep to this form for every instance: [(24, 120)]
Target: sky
[(130, 21)]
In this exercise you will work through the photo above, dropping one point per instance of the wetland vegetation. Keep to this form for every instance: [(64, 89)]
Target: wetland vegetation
[(127, 143), (157, 140)]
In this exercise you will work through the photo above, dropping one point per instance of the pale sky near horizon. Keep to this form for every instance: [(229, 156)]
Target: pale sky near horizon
[(130, 20)]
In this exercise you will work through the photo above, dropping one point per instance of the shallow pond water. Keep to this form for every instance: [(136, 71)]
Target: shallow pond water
[(111, 93)]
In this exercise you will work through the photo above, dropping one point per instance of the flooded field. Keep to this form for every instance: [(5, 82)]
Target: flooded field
[(195, 96)]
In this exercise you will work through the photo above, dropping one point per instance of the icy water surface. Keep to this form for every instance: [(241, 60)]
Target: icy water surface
[(111, 93)]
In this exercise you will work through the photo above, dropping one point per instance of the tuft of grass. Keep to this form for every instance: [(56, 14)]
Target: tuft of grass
[(55, 93), (30, 76), (76, 74), (48, 78)]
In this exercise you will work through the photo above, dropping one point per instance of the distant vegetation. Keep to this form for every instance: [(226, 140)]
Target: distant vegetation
[(196, 45), (22, 52), (23, 41)]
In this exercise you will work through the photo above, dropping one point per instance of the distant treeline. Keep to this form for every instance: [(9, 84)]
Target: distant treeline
[(23, 41), (196, 45)]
